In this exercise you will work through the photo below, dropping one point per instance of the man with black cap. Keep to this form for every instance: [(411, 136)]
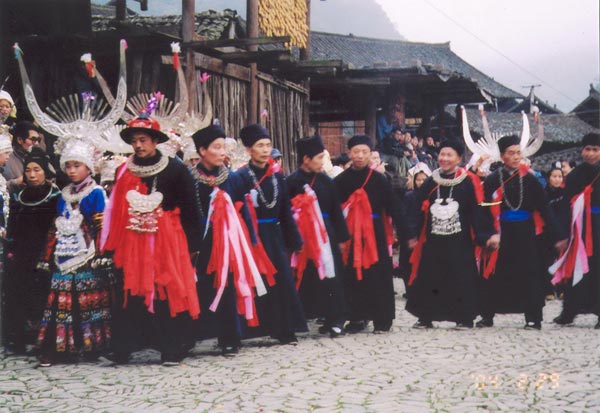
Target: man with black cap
[(154, 227), (445, 216), (280, 310), (318, 268), (518, 210), (225, 264), (579, 268), (366, 196)]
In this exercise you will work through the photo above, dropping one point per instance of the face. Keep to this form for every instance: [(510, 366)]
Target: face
[(566, 168), (35, 174), (398, 135), (76, 171), (314, 164), (33, 138), (5, 108), (375, 158), (214, 155), (512, 157), (429, 141), (419, 179), (260, 152), (360, 156), (414, 141), (4, 157), (143, 145), (591, 154), (556, 178), (448, 159)]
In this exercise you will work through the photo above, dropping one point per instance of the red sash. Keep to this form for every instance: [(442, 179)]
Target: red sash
[(362, 233)]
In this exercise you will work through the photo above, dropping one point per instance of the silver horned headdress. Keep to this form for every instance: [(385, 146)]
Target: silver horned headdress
[(488, 144), (85, 117)]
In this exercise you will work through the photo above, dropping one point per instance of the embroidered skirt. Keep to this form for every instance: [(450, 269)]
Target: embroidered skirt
[(77, 315)]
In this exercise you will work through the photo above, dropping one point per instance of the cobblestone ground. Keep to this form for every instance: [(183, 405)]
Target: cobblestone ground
[(504, 368)]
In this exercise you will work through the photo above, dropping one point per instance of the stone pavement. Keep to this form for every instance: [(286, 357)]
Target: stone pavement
[(501, 369)]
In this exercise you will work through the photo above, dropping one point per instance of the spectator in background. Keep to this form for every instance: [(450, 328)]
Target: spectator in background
[(567, 166), (25, 136), (7, 109)]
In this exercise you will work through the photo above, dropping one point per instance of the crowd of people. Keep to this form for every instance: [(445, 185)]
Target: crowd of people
[(167, 254)]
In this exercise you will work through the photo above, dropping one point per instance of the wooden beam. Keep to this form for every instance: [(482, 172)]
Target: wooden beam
[(237, 42), (215, 65), (252, 33), (121, 10), (379, 81), (256, 56)]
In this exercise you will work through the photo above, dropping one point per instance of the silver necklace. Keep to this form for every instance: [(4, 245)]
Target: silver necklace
[(437, 177), (261, 194), (505, 195), (150, 170), (72, 198), (48, 196), (445, 218)]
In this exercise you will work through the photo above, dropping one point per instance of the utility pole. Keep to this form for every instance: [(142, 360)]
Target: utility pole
[(252, 24)]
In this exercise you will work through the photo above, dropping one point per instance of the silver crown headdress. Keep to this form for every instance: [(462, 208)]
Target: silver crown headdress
[(488, 144), (74, 117), (80, 151), (5, 139)]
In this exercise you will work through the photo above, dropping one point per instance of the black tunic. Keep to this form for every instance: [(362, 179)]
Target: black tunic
[(518, 285), (445, 287), (585, 296), (280, 311), (225, 323), (372, 298), (134, 327), (323, 298), (26, 288)]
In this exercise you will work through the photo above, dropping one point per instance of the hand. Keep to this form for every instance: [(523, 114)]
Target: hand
[(412, 243), (493, 242), (19, 180), (561, 246)]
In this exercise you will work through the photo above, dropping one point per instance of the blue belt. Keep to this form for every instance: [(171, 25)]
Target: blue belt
[(596, 210), (375, 216), (267, 220), (324, 215), (515, 216)]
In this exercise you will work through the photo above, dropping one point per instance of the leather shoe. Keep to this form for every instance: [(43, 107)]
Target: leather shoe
[(354, 327), (423, 324), (533, 325), (563, 320), (485, 322), (229, 351)]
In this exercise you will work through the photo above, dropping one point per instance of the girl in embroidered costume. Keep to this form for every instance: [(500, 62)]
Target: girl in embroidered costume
[(443, 280), (578, 269), (32, 211), (366, 196), (228, 275), (280, 311), (77, 315)]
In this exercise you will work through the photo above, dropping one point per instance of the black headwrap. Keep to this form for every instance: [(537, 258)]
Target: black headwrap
[(360, 140), (591, 139), (453, 144), (309, 146), (38, 156), (253, 133), (204, 137), (506, 141)]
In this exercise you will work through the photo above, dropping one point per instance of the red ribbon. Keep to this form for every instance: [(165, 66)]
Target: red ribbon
[(176, 62), (89, 66), (360, 225)]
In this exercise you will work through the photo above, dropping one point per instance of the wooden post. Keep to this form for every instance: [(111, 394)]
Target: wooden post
[(121, 9), (252, 24), (371, 116), (305, 55), (187, 31)]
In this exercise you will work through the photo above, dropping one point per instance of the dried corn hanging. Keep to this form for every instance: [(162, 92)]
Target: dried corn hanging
[(284, 18)]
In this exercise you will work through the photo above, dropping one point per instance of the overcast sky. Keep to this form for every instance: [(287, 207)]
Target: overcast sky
[(554, 43)]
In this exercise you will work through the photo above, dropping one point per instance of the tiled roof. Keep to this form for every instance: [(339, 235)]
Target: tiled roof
[(363, 52), (209, 24), (107, 11), (544, 162), (561, 128)]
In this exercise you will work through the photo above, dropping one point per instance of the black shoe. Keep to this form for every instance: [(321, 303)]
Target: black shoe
[(320, 320), (423, 324), (533, 325), (597, 326), (229, 351), (45, 361), (485, 322), (171, 359), (333, 331), (118, 358), (354, 327), (291, 340), (465, 325), (563, 320)]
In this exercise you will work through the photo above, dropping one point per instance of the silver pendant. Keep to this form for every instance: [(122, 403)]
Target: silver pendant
[(445, 219)]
